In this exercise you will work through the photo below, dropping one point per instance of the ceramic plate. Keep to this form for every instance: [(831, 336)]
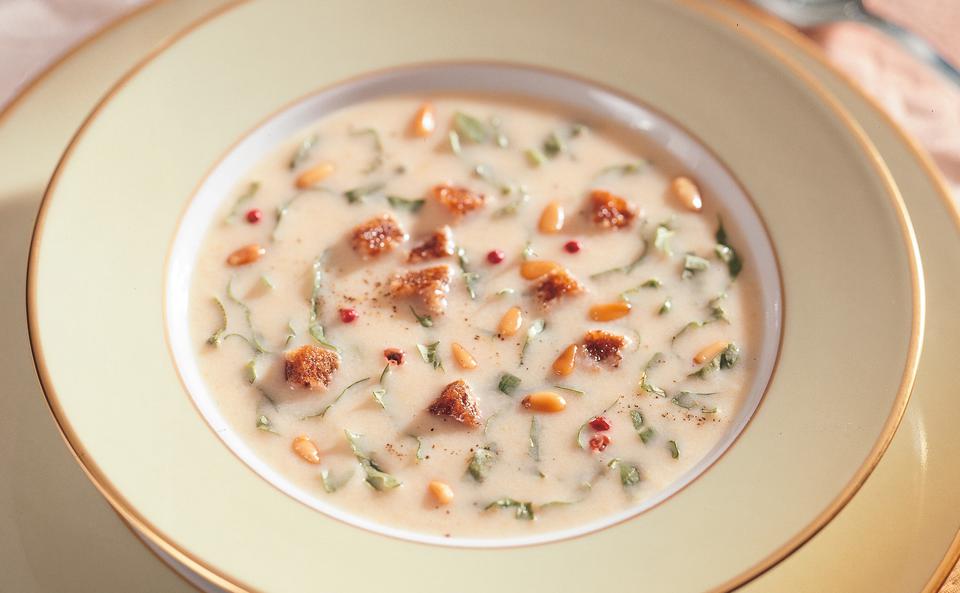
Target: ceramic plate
[(193, 499)]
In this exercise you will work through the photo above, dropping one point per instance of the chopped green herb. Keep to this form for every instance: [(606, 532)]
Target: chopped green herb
[(331, 483), (729, 257), (674, 451), (656, 360), (291, 334), (536, 328), (534, 448), (485, 172), (665, 307), (629, 474), (499, 138), (470, 127), (267, 282), (505, 292), (553, 145), (454, 142), (255, 339), (535, 158), (264, 424), (377, 160), (623, 169), (630, 267), (313, 326), (358, 194), (412, 206), (686, 328), (424, 320), (481, 461), (528, 252), (692, 265), (324, 411), (378, 395), (420, 454), (571, 389), (512, 207), (524, 509), (246, 196), (217, 337), (303, 151), (268, 398), (727, 359), (376, 477), (644, 432), (429, 355), (685, 400), (581, 440), (648, 387), (661, 239), (250, 370), (508, 383), (469, 278)]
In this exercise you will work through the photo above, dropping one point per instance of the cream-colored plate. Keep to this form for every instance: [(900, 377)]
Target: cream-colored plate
[(173, 478), (57, 534)]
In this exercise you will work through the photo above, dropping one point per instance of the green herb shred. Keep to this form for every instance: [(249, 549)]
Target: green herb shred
[(665, 307), (324, 411), (424, 320), (250, 370), (628, 268), (291, 334), (717, 312), (378, 395), (727, 359), (454, 139), (693, 265), (534, 448), (536, 328), (470, 128), (411, 206), (246, 196), (524, 510), (264, 424), (629, 473), (376, 476), (333, 483), (512, 207), (358, 194), (690, 326), (644, 432), (303, 151), (553, 145), (420, 453), (728, 254), (217, 337), (661, 239), (469, 278), (377, 161), (623, 169), (573, 390), (535, 158), (255, 340), (674, 451), (428, 352), (481, 461), (508, 383), (313, 326)]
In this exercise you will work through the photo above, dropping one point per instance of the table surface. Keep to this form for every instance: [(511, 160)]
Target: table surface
[(34, 32)]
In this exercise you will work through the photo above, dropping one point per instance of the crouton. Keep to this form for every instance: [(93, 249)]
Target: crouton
[(310, 366), (459, 200), (611, 211), (554, 285), (604, 347), (431, 285), (457, 401), (439, 245), (378, 235)]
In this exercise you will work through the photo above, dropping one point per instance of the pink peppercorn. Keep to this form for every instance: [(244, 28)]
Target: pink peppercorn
[(495, 256), (572, 246), (254, 215), (600, 423), (348, 315), (599, 442)]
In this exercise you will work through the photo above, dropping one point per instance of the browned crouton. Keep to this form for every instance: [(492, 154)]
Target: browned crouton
[(430, 284), (605, 347), (611, 211), (378, 235), (439, 245), (459, 200), (554, 285), (310, 366), (456, 401)]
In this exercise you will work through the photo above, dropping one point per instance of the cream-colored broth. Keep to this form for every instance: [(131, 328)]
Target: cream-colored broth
[(319, 222)]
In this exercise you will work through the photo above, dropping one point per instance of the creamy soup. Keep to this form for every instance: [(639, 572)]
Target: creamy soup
[(472, 317)]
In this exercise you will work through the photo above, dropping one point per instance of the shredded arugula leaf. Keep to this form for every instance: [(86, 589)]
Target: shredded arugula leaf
[(571, 389), (505, 292), (378, 395), (534, 447), (535, 158), (420, 454), (524, 510), (729, 257), (508, 383), (217, 337), (629, 474), (291, 334), (644, 432), (358, 194), (331, 483), (485, 172), (536, 328), (553, 145), (665, 307), (685, 400), (470, 128), (693, 265), (264, 424), (269, 398), (628, 268), (429, 355), (376, 477), (583, 442), (313, 325), (250, 369), (377, 160), (454, 139), (246, 196), (469, 278), (717, 312), (424, 320), (255, 340), (411, 206), (623, 169), (648, 387), (324, 411), (303, 151), (727, 359), (674, 451), (661, 239), (656, 360), (686, 328), (481, 461), (512, 207)]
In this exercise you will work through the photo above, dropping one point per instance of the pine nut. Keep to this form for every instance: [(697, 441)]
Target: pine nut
[(424, 121), (534, 268), (687, 193), (463, 358), (246, 255), (544, 401), (709, 352), (610, 311), (441, 492), (565, 363), (314, 175), (307, 449), (551, 220), (510, 322)]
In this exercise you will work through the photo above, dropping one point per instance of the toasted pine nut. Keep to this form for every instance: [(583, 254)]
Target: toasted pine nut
[(463, 358), (246, 255), (565, 363), (441, 492), (314, 175), (551, 220), (307, 449), (510, 322), (534, 268), (709, 352), (424, 121), (610, 311), (544, 401), (687, 193)]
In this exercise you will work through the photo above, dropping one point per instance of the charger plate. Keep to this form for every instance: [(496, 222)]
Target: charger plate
[(192, 499)]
